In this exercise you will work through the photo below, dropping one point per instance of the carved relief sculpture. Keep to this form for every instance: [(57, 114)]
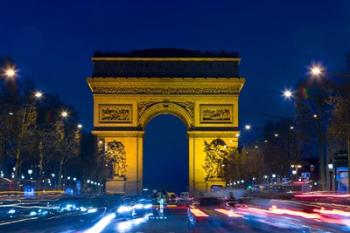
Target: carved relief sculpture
[(143, 105), (216, 113), (115, 113), (216, 152), (116, 156)]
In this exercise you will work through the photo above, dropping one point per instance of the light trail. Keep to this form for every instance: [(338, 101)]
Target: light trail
[(333, 212), (100, 225), (198, 213), (229, 213), (302, 214)]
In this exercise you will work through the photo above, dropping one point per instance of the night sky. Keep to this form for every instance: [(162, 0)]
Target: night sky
[(52, 43)]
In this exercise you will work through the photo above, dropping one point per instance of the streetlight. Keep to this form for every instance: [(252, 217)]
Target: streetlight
[(247, 127), (330, 168), (316, 70), (30, 171), (64, 114), (38, 94), (288, 94), (80, 126), (276, 135), (10, 71)]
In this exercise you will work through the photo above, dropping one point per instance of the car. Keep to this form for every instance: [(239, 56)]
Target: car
[(133, 207)]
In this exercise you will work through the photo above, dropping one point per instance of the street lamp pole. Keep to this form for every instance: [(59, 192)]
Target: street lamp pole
[(317, 71)]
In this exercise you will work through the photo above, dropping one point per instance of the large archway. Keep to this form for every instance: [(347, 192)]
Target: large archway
[(165, 160), (129, 90)]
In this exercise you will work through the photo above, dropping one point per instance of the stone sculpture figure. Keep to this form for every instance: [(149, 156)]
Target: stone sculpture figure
[(116, 155), (216, 151)]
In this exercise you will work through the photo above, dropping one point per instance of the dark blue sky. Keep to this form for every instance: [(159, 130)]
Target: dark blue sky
[(52, 42)]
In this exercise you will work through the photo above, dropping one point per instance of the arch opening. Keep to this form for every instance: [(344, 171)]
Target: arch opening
[(165, 158)]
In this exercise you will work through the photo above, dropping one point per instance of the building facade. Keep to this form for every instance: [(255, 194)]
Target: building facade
[(202, 89)]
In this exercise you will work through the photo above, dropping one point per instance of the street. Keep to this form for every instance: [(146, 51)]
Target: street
[(93, 215)]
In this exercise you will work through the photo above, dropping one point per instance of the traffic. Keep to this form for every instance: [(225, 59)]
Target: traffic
[(233, 211)]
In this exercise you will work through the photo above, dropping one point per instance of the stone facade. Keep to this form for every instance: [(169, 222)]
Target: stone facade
[(207, 105)]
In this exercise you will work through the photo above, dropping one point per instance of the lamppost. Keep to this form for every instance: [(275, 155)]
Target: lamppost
[(330, 169), (317, 71)]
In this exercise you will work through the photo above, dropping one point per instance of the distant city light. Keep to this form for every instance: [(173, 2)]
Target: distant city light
[(247, 127), (315, 116), (30, 171), (291, 127), (80, 126), (276, 135)]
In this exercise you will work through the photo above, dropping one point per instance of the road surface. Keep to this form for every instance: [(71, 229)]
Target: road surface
[(175, 220)]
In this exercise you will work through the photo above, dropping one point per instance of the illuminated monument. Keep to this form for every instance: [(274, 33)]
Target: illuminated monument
[(202, 89)]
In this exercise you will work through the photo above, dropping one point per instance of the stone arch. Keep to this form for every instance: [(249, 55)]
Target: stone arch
[(130, 89), (166, 108)]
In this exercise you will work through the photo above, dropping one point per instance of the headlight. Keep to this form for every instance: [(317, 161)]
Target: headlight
[(92, 210), (11, 211), (124, 209), (138, 206)]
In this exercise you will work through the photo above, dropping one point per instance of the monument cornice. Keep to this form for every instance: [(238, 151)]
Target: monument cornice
[(180, 86)]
